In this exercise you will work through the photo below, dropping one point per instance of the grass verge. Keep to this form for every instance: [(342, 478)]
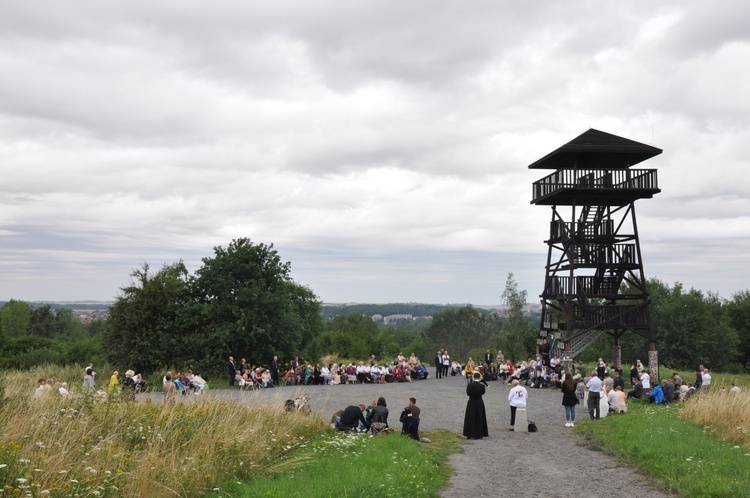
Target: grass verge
[(680, 456), (356, 465)]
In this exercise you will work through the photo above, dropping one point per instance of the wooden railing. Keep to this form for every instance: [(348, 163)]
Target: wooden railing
[(620, 179), (561, 230), (585, 285)]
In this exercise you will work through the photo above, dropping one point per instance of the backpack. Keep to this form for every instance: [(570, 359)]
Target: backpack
[(532, 427)]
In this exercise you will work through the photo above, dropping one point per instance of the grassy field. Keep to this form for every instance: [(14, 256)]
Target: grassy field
[(100, 445), (355, 465), (683, 447)]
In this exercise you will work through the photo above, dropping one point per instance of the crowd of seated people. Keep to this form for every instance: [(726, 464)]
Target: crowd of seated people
[(401, 369)]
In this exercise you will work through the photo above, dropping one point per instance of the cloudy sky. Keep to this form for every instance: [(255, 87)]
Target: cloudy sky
[(381, 146)]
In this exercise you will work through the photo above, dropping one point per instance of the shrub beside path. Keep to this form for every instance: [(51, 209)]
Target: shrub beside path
[(551, 462)]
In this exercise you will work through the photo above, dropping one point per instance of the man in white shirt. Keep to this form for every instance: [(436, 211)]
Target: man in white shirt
[(706, 378), (594, 386), (517, 397), (646, 381)]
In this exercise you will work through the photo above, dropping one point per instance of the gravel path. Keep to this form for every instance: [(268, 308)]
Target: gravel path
[(551, 462)]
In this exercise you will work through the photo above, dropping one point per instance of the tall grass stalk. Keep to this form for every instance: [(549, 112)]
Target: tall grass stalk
[(91, 445)]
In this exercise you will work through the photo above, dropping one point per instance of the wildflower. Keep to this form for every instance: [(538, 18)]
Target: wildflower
[(24, 460), (21, 480), (3, 465)]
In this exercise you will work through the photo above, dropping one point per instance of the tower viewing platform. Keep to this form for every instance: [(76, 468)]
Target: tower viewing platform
[(596, 166)]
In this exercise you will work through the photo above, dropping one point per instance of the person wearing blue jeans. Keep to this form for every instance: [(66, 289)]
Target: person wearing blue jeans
[(570, 400)]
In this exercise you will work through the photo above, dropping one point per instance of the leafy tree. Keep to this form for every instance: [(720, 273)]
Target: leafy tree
[(738, 310), (460, 330), (144, 328), (42, 322), (690, 328), (15, 319), (518, 338), (249, 306)]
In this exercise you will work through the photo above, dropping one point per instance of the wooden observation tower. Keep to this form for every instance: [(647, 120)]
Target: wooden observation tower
[(594, 281)]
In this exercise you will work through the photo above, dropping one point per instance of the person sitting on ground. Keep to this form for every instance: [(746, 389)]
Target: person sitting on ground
[(735, 388), (63, 390), (683, 392), (691, 391), (668, 397), (678, 382), (656, 395), (554, 380), (622, 405), (351, 418), (379, 415), (410, 420), (613, 402), (637, 392), (698, 380)]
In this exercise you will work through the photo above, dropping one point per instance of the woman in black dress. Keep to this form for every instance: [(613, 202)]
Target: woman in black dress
[(475, 420)]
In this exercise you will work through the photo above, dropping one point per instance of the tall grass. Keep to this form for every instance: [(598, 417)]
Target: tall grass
[(726, 413), (90, 445)]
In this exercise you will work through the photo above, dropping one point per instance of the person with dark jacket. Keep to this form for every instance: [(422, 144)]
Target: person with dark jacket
[(231, 371), (351, 417), (410, 420), (569, 399), (475, 418)]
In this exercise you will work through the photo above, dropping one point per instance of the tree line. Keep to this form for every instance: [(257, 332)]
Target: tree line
[(243, 302)]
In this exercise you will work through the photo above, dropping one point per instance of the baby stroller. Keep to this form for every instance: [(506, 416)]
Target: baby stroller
[(180, 387)]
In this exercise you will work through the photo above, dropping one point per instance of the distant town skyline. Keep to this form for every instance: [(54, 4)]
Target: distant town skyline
[(382, 147)]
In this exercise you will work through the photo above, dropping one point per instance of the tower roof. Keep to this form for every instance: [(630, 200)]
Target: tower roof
[(596, 149)]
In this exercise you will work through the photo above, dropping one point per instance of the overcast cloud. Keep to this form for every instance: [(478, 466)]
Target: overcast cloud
[(380, 146)]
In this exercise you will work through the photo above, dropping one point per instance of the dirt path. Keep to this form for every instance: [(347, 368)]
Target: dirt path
[(551, 462)]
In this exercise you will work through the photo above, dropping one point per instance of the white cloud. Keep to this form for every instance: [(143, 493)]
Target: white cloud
[(381, 146)]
